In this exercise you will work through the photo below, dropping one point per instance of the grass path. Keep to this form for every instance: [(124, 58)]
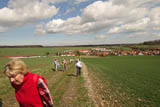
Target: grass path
[(66, 89)]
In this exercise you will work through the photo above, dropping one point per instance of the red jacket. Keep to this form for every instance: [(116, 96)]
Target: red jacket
[(27, 94)]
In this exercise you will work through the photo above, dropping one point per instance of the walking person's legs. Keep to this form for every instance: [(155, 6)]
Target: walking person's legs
[(77, 71), (65, 67), (55, 67)]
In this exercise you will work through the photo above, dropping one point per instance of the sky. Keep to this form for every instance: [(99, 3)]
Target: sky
[(78, 22)]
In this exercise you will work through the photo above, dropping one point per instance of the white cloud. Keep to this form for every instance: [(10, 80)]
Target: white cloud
[(143, 36), (51, 26), (58, 25), (138, 35), (155, 17), (20, 3), (94, 18), (102, 36), (69, 10), (54, 1), (40, 29), (20, 12), (114, 16), (139, 25), (103, 11), (135, 3), (3, 29), (79, 1)]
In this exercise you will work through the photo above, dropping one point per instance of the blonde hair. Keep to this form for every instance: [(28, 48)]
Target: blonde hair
[(15, 66)]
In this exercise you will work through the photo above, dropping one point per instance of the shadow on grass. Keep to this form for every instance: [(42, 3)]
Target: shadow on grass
[(57, 70), (53, 69), (1, 102), (72, 75)]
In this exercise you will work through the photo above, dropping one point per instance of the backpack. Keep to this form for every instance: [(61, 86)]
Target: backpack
[(44, 101)]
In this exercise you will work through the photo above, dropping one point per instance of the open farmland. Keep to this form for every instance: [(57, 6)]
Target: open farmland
[(106, 81), (61, 84), (129, 81), (34, 51)]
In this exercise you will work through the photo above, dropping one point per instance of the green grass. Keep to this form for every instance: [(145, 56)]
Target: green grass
[(136, 75), (45, 50), (115, 48), (35, 51), (27, 51), (44, 67)]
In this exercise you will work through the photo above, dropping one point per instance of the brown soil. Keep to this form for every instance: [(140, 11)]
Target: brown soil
[(10, 102), (70, 95), (95, 97), (55, 77)]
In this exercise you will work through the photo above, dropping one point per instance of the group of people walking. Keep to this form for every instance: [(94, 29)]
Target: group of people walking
[(31, 89), (57, 64), (78, 65)]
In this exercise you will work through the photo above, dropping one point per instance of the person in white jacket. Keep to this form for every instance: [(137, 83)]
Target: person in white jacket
[(78, 67)]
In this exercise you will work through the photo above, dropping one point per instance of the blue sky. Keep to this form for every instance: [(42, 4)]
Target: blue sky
[(78, 22)]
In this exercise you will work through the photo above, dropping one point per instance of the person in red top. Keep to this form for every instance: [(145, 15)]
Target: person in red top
[(31, 89), (64, 64)]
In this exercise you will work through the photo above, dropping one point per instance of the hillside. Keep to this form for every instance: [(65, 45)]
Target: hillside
[(154, 42)]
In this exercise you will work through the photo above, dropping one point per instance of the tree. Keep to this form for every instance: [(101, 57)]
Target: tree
[(47, 53)]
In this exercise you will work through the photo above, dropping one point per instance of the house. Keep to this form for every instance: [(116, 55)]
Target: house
[(83, 52)]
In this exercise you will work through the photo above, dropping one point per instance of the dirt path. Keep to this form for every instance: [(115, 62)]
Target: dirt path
[(92, 92), (73, 95), (55, 77), (70, 95)]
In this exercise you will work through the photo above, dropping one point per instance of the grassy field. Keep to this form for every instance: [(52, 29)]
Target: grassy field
[(58, 82), (35, 51), (137, 77), (126, 81)]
